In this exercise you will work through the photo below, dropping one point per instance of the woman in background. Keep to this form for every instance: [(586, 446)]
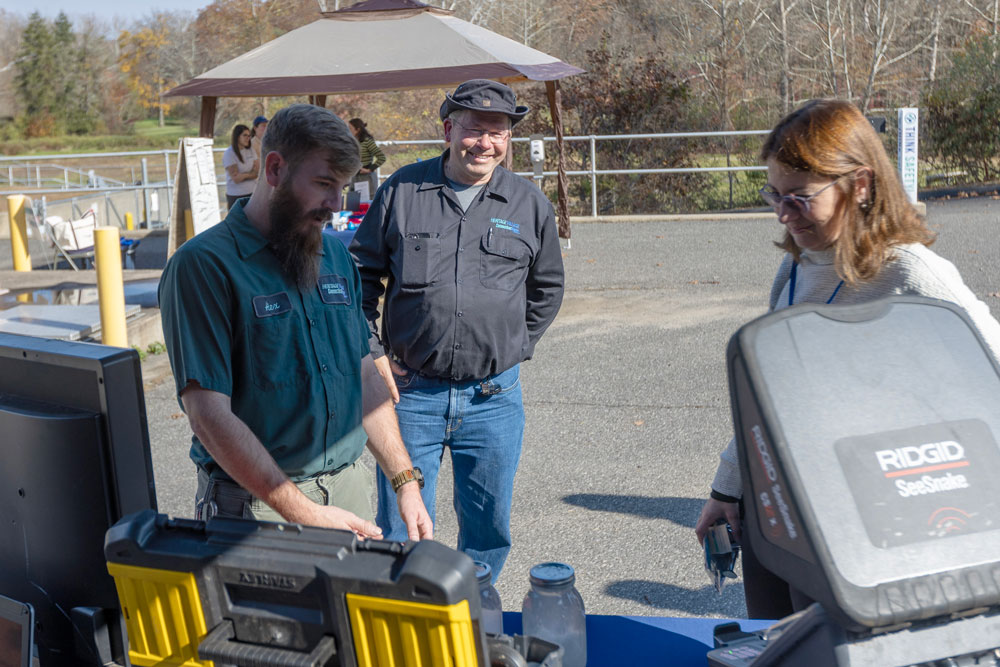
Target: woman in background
[(240, 165), (372, 156), (851, 236)]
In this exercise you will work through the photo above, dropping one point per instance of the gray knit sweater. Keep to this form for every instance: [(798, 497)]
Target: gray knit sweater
[(915, 270)]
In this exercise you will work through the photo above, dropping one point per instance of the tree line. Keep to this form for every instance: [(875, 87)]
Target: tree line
[(652, 66)]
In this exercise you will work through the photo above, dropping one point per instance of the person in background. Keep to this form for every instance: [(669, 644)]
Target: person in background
[(259, 128), (240, 164), (268, 345), (851, 236), (474, 277), (372, 156)]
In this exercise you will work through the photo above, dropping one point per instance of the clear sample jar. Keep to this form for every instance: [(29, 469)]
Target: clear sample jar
[(491, 614), (553, 611)]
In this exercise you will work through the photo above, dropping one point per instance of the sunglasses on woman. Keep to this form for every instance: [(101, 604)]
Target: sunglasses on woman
[(797, 202)]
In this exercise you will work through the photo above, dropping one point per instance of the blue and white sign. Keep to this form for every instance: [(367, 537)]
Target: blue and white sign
[(908, 123)]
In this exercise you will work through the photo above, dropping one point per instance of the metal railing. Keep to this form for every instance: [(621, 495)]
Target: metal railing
[(593, 171), (9, 166)]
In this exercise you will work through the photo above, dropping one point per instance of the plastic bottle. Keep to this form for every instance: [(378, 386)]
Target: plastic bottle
[(553, 610), (489, 600)]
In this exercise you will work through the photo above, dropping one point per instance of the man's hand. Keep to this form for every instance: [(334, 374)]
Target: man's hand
[(328, 516), (388, 369), (712, 512), (414, 514), (365, 171)]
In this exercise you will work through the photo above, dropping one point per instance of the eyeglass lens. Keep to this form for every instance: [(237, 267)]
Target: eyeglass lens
[(495, 137)]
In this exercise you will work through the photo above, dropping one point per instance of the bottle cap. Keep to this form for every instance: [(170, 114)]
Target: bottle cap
[(483, 571), (552, 574)]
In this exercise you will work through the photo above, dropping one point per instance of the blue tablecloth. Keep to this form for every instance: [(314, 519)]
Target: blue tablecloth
[(638, 641), (344, 236)]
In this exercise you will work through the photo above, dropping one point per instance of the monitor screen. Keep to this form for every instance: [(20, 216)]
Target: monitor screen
[(75, 451), (16, 624), (869, 441)]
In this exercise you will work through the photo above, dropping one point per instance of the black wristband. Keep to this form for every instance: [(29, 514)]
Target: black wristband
[(715, 495)]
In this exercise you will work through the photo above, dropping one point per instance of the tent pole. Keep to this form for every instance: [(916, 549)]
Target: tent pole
[(207, 128), (320, 101), (562, 208)]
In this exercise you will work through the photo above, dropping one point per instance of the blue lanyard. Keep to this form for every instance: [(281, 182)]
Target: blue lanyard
[(791, 286)]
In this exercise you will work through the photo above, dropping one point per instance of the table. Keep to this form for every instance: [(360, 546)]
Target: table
[(344, 236), (637, 641)]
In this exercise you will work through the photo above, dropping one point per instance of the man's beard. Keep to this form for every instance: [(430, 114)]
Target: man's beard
[(294, 237)]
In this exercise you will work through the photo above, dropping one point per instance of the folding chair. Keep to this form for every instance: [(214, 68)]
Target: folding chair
[(73, 239)]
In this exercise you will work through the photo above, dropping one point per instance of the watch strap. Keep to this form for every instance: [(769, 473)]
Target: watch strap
[(404, 477)]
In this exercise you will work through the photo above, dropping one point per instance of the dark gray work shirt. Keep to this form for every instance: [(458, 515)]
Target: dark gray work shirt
[(468, 293)]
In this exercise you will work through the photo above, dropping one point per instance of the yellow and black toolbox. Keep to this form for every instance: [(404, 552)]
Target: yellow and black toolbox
[(254, 594)]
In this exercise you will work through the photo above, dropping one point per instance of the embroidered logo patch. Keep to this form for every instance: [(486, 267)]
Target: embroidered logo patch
[(333, 289), (500, 223), (271, 304)]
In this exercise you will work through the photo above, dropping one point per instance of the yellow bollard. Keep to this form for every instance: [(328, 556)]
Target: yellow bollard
[(188, 225), (18, 232), (110, 288), (129, 222)]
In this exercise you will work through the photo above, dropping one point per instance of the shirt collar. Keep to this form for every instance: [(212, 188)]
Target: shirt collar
[(817, 256), (248, 240), (499, 184)]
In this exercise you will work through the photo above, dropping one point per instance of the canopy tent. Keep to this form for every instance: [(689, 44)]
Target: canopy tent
[(380, 45)]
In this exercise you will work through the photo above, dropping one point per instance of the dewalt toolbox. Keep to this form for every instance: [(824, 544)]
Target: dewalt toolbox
[(255, 593)]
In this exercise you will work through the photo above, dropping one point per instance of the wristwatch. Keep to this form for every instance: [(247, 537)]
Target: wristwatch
[(411, 475)]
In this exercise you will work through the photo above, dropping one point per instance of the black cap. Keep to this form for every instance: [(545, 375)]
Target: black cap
[(484, 95)]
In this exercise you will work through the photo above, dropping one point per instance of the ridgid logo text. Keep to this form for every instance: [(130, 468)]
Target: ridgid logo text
[(922, 460)]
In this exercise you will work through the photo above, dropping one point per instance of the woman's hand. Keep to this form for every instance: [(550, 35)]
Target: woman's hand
[(712, 512), (365, 171)]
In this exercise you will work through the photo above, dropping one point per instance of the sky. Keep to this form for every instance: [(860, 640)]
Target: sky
[(128, 10)]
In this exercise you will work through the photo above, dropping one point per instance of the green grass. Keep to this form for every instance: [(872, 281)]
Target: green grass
[(146, 135), (172, 129)]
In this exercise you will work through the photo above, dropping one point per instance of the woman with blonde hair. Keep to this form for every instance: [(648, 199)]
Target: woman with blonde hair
[(851, 236)]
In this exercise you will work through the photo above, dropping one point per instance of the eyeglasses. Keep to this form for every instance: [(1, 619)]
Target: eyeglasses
[(494, 136), (801, 204)]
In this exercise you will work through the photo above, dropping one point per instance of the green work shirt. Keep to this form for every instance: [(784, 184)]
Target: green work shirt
[(289, 358)]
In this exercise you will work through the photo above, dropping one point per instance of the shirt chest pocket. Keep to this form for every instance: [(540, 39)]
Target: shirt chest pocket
[(277, 353), (344, 337), (420, 255), (503, 262)]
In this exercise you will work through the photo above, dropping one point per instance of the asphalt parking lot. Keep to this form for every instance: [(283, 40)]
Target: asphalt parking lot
[(627, 404)]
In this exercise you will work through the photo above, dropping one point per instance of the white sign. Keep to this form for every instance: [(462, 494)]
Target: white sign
[(907, 156), (362, 188), (196, 195)]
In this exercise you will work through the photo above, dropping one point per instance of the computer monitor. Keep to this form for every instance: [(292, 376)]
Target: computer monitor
[(17, 622), (75, 458), (868, 441)]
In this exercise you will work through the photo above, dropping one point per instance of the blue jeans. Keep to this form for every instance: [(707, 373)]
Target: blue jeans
[(482, 424)]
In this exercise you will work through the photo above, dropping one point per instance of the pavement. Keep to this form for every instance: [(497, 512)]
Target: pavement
[(626, 403)]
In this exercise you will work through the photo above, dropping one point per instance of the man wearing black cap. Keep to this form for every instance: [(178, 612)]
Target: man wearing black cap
[(259, 128), (474, 276)]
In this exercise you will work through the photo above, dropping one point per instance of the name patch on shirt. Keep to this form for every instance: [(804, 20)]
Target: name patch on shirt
[(500, 223), (333, 289), (271, 304)]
